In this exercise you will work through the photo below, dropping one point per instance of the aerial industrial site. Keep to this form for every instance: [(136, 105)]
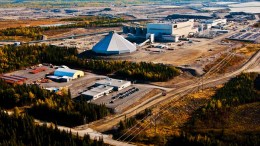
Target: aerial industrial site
[(130, 73)]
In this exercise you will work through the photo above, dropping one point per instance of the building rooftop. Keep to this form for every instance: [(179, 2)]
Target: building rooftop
[(97, 90), (101, 88), (114, 43), (65, 72), (112, 82), (53, 77)]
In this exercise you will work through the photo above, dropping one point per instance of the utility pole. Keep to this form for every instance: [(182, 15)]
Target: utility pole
[(202, 84), (154, 126), (198, 86)]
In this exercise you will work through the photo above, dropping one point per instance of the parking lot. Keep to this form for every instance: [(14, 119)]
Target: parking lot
[(75, 86), (119, 100), (32, 78), (247, 34)]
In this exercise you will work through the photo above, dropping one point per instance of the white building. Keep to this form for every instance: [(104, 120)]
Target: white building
[(97, 92), (215, 22), (116, 84), (181, 29), (114, 43)]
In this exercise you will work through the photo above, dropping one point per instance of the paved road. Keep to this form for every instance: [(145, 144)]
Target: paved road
[(154, 86), (109, 122), (68, 37), (92, 133)]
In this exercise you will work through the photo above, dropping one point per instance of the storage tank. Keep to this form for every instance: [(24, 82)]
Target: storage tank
[(152, 38)]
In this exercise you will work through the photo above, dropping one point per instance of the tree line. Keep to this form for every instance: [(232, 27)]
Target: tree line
[(238, 91), (99, 19), (124, 125), (66, 112), (20, 95), (31, 32), (48, 106), (209, 125), (14, 58), (21, 131), (36, 32)]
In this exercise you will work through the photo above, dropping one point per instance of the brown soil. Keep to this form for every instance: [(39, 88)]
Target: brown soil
[(72, 31), (147, 96), (183, 79), (228, 65), (25, 23), (248, 49), (172, 119)]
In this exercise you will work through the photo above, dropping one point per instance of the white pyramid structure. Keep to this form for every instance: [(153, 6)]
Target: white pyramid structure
[(114, 43)]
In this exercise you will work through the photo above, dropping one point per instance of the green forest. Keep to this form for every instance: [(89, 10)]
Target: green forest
[(31, 32), (48, 106), (238, 91), (21, 131), (212, 123), (14, 58), (65, 112), (216, 115)]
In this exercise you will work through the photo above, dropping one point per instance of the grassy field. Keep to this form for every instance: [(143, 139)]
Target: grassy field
[(248, 49), (175, 117)]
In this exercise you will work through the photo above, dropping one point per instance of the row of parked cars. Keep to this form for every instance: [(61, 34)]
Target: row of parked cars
[(124, 94)]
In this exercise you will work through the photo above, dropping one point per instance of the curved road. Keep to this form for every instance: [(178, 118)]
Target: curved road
[(108, 123)]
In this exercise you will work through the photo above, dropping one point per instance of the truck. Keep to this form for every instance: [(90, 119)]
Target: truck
[(164, 93)]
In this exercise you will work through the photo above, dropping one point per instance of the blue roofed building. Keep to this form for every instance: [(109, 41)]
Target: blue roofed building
[(67, 72)]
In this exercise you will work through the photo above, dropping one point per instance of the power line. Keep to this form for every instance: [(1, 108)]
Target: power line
[(216, 68)]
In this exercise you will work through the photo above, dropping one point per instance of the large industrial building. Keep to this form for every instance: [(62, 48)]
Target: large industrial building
[(169, 31), (113, 43), (190, 16), (116, 84), (104, 87), (67, 72), (214, 22), (97, 92), (138, 31)]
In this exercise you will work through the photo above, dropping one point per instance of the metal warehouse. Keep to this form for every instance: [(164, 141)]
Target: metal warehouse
[(74, 74), (214, 22), (179, 29), (116, 84), (97, 92)]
